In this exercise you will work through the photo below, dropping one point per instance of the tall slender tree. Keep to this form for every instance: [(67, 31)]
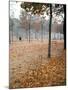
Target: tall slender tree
[(49, 47), (42, 29), (11, 24), (64, 26), (29, 26)]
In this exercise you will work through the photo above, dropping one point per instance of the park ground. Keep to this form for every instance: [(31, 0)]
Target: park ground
[(30, 66)]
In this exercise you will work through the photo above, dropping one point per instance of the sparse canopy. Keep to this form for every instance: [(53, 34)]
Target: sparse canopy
[(42, 8), (34, 8)]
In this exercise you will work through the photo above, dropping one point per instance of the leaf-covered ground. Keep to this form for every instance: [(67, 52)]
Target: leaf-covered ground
[(31, 67)]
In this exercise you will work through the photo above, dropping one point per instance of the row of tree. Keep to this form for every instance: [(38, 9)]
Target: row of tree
[(52, 10)]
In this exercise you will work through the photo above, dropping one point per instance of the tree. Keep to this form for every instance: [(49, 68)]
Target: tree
[(36, 25), (29, 26), (11, 23), (42, 28), (64, 26), (49, 47)]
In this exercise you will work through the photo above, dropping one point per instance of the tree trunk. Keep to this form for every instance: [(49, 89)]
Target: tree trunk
[(64, 26), (29, 28), (41, 31), (26, 35), (36, 36), (12, 30), (49, 46), (12, 35), (17, 34), (9, 37)]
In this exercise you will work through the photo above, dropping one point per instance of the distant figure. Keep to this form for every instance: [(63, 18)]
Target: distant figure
[(20, 38)]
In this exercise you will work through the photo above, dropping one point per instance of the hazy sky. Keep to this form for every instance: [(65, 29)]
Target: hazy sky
[(15, 9)]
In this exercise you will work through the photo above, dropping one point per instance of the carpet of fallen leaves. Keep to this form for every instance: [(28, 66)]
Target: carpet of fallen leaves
[(31, 67)]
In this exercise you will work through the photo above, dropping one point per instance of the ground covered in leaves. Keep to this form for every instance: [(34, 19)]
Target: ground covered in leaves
[(31, 67)]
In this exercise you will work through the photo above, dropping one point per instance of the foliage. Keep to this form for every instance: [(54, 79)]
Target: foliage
[(34, 8)]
